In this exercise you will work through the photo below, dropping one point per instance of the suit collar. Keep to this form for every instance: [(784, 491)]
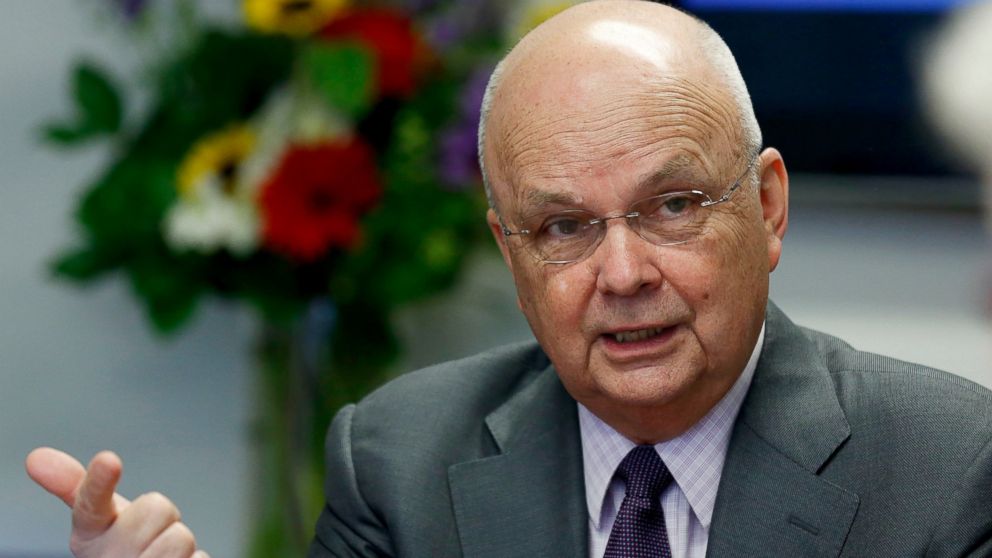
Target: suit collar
[(793, 402), (771, 500), (695, 458), (529, 500)]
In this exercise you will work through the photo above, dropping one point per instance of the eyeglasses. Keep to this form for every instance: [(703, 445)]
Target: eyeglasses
[(573, 234)]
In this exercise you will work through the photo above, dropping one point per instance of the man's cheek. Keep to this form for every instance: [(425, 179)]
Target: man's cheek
[(694, 273), (559, 289), (537, 297)]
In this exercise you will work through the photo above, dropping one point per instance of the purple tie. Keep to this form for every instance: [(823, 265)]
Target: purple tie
[(639, 530)]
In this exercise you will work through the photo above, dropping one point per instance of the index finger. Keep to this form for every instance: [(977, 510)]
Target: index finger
[(95, 509)]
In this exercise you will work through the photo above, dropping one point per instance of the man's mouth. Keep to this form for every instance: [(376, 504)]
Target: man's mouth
[(637, 334)]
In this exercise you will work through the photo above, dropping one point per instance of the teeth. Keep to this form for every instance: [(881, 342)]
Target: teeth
[(637, 335)]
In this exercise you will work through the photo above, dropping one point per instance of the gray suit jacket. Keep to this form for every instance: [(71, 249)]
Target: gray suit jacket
[(836, 452)]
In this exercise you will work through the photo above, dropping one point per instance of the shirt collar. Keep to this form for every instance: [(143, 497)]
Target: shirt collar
[(695, 458)]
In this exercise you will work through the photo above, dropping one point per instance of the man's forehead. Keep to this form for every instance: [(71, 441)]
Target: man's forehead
[(541, 162), (583, 69), (619, 39), (682, 168), (618, 80), (636, 40), (644, 30)]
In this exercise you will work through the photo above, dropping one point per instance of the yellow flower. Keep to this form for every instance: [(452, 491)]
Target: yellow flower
[(216, 208), (298, 18), (532, 13), (215, 162)]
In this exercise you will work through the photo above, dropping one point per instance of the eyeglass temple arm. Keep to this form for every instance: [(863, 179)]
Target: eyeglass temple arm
[(724, 197), (736, 184), (506, 230)]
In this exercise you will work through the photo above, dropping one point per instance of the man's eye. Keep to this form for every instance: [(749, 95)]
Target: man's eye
[(562, 227), (677, 205)]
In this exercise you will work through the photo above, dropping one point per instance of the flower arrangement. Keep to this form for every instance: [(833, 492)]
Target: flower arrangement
[(289, 160), (314, 154)]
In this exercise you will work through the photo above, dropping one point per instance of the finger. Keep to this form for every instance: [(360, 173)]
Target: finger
[(95, 509), (175, 542), (55, 471), (147, 518), (120, 502), (200, 554)]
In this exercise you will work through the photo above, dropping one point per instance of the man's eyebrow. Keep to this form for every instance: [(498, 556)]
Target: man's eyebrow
[(681, 166), (536, 199)]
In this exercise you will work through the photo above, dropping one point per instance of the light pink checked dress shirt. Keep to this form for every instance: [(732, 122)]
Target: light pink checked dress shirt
[(695, 460)]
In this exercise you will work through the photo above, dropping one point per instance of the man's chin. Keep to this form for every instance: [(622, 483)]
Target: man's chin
[(646, 386)]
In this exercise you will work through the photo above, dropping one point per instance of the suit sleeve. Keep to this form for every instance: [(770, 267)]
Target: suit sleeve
[(347, 526), (967, 526)]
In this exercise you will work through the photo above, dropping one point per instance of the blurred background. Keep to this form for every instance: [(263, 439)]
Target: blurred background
[(886, 246)]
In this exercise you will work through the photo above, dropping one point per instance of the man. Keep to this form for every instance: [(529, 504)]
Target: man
[(669, 409)]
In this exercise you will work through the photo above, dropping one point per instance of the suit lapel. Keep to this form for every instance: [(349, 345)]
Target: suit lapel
[(529, 500), (771, 501)]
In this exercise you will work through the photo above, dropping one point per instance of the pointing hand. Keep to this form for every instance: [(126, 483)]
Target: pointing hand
[(105, 523)]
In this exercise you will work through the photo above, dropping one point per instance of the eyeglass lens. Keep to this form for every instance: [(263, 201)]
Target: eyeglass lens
[(571, 235)]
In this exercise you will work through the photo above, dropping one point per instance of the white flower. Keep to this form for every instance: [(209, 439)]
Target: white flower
[(213, 221)]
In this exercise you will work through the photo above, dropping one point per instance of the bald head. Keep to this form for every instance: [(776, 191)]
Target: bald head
[(592, 59)]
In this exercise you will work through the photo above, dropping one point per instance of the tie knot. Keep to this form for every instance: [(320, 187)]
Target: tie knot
[(644, 473)]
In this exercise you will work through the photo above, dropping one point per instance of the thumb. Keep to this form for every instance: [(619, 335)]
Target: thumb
[(55, 471), (95, 509)]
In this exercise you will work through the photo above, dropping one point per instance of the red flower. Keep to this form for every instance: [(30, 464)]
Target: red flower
[(316, 196), (389, 35)]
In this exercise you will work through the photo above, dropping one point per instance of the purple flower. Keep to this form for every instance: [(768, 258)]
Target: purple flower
[(459, 165), (442, 32), (447, 27), (131, 8), (470, 103)]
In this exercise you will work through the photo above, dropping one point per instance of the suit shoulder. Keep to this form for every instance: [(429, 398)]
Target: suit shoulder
[(842, 358), (463, 388), (885, 386)]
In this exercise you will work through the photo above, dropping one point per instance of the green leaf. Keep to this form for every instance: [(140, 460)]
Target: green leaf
[(275, 307), (270, 283), (364, 345), (84, 264), (169, 316), (222, 78), (97, 99), (342, 72), (124, 210), (65, 135), (99, 109), (170, 286)]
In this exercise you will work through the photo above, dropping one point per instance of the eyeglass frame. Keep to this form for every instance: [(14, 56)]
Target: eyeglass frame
[(631, 215)]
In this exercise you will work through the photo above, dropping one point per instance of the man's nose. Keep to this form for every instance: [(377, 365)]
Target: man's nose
[(624, 262)]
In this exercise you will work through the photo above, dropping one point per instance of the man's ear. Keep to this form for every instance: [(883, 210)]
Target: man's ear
[(497, 230), (774, 202)]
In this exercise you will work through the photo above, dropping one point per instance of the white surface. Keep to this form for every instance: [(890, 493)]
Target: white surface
[(79, 369), (907, 284)]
